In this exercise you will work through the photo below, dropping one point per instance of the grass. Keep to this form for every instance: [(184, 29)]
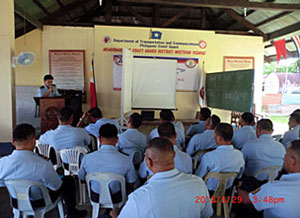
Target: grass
[(279, 119)]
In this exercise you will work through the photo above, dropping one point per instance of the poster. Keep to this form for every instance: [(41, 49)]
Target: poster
[(187, 72), (238, 63), (67, 68)]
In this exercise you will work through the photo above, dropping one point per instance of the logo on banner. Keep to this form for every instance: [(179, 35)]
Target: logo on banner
[(190, 63), (155, 34), (106, 39), (202, 44), (118, 60)]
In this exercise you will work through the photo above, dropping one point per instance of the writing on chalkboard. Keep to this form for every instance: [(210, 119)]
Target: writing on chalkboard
[(230, 90)]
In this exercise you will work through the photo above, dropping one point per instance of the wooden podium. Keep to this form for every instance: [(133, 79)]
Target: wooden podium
[(49, 107)]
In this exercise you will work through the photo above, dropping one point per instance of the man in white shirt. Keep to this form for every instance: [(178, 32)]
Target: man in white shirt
[(293, 133)]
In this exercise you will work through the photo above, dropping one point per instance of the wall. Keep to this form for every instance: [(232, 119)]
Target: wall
[(55, 37)]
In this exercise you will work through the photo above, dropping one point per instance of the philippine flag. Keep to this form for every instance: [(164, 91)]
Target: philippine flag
[(202, 91), (93, 96), (296, 40)]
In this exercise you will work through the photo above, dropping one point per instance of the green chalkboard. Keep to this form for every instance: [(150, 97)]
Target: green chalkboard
[(230, 90)]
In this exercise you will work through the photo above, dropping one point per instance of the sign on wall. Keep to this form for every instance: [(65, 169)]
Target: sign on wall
[(238, 63), (68, 68)]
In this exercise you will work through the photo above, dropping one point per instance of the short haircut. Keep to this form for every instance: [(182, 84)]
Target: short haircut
[(166, 115), (295, 117), (297, 111), (108, 131), (248, 117), (224, 130), (65, 114), (136, 120), (48, 77), (295, 146), (265, 124), (205, 113), (23, 132), (214, 121), (166, 130), (95, 112), (160, 144)]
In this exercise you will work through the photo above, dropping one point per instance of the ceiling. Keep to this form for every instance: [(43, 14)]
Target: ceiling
[(271, 19)]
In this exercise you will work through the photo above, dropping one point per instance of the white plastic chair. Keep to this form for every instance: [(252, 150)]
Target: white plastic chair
[(94, 143), (21, 188), (220, 191), (105, 201), (272, 172), (42, 149), (196, 157), (74, 156)]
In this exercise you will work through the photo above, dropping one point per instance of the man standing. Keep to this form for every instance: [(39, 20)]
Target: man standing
[(48, 89)]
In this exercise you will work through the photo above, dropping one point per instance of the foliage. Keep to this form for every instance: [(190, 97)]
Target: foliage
[(274, 67)]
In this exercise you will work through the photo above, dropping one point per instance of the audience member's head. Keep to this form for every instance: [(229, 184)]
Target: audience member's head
[(223, 134), (292, 158), (65, 116), (167, 130), (212, 122), (48, 80), (294, 120), (264, 126), (160, 155), (134, 121), (166, 115), (108, 134), (24, 137), (205, 113), (94, 114), (247, 119), (297, 111)]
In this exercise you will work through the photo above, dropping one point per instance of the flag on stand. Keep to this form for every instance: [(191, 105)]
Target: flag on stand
[(93, 96), (296, 40), (202, 91), (280, 49)]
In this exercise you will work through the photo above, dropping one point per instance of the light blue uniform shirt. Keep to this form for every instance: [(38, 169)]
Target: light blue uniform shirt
[(290, 136), (183, 163), (93, 128), (224, 159), (262, 152), (44, 89), (168, 194), (180, 138), (243, 135), (287, 188), (196, 128), (202, 141), (24, 164), (107, 160), (66, 136), (132, 141)]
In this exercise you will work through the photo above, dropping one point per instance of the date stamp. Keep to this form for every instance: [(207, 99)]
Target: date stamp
[(220, 199), (267, 199)]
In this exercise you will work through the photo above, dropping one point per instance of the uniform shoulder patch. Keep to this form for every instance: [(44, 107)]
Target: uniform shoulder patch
[(42, 87), (256, 190)]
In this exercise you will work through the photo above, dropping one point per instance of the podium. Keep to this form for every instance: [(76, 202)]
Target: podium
[(49, 107)]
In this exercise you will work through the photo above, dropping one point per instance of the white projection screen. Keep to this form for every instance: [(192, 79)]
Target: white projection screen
[(127, 70), (154, 83)]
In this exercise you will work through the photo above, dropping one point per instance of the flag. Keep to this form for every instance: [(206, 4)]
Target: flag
[(280, 49), (155, 34), (93, 96), (202, 91), (296, 40)]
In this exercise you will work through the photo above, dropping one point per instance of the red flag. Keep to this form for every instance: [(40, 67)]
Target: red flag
[(280, 49), (93, 96)]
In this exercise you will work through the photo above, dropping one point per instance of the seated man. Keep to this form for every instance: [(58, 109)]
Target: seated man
[(65, 136), (168, 116), (205, 140), (96, 115), (25, 164), (132, 140), (279, 199), (200, 126), (183, 162), (108, 160), (293, 133), (263, 151), (246, 133), (168, 193), (224, 159), (48, 89)]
